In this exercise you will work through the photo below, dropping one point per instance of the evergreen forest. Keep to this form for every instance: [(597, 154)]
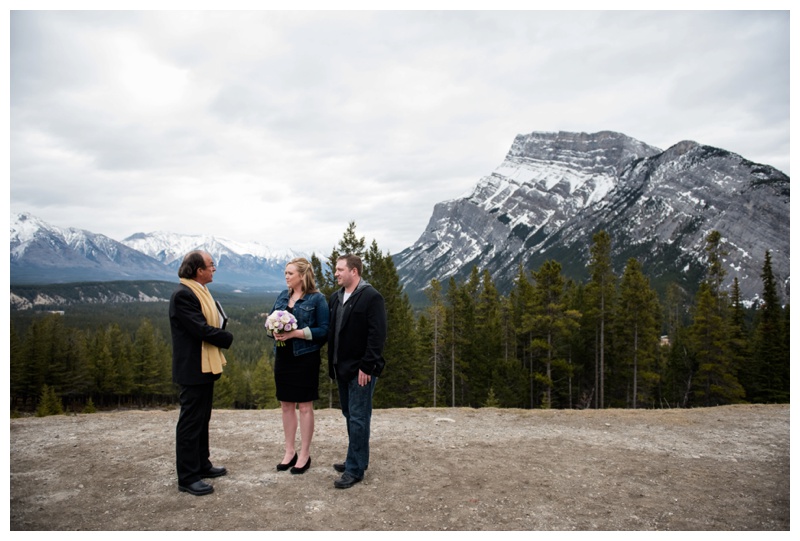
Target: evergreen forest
[(611, 341)]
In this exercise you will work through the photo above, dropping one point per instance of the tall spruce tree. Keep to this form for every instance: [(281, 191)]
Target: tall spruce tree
[(741, 350), (400, 382), (472, 389), (460, 325), (771, 357), (120, 348), (678, 371), (715, 382), (602, 287), (263, 381), (636, 331), (149, 363), (489, 339), (715, 273), (434, 338), (509, 379), (551, 324), (520, 301), (103, 367)]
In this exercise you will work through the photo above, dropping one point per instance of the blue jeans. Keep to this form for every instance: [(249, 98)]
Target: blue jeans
[(356, 402)]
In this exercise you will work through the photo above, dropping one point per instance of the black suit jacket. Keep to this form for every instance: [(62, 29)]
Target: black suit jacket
[(189, 330), (362, 334)]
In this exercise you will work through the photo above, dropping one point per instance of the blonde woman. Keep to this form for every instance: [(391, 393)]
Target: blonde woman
[(297, 361)]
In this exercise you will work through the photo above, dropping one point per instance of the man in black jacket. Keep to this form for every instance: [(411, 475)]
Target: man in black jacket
[(196, 323), (356, 336)]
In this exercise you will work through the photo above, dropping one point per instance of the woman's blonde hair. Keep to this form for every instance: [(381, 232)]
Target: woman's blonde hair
[(309, 285)]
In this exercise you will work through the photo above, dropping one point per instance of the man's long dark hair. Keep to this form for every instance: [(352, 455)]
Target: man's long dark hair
[(191, 263)]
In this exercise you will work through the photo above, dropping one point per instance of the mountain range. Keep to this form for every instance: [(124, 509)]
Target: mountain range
[(547, 198), (554, 191), (45, 254)]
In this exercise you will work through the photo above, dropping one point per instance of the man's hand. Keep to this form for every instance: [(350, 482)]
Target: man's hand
[(363, 378)]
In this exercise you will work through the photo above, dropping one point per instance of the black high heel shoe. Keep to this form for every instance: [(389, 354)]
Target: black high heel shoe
[(304, 468), (284, 467)]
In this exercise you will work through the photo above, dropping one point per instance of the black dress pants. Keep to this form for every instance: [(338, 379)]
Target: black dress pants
[(191, 434)]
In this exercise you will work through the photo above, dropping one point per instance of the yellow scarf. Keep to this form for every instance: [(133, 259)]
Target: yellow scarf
[(213, 360)]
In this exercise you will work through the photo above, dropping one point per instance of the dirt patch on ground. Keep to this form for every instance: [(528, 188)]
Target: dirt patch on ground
[(724, 468)]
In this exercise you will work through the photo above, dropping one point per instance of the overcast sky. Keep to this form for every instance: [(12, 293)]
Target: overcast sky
[(282, 127)]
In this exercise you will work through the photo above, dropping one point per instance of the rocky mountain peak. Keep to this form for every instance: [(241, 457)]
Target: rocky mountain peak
[(553, 191)]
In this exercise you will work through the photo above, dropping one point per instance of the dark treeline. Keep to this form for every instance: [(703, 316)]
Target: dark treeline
[(549, 343)]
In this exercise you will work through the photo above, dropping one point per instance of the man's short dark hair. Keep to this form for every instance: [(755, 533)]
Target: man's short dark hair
[(191, 263), (353, 262)]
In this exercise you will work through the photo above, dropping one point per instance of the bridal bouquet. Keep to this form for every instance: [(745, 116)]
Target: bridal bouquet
[(280, 320)]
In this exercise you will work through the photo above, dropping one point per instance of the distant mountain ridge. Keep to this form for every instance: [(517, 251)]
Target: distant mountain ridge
[(45, 254), (238, 264), (547, 198), (553, 191)]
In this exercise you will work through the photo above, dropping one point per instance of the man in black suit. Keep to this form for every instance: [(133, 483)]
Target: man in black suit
[(197, 325)]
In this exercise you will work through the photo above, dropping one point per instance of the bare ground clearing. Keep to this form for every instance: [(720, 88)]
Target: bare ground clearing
[(724, 468)]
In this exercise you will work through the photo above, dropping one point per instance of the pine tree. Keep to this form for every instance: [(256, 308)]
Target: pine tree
[(325, 287), (120, 349), (102, 366), (489, 333), (148, 363), (16, 368), (637, 329), (459, 324), (602, 287), (520, 301), (399, 386), (89, 407), (771, 356), (741, 351), (264, 385), (715, 382), (470, 340), (716, 271), (491, 400), (49, 403), (224, 392), (509, 381), (551, 323), (678, 371), (434, 339)]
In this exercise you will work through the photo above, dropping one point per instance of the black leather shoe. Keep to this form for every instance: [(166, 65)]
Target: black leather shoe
[(215, 471), (340, 467), (198, 488), (284, 467), (303, 469), (346, 481)]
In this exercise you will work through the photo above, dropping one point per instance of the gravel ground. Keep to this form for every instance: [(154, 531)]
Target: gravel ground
[(721, 469)]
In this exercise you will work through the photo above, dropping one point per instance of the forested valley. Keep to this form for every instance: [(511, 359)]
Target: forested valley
[(609, 342)]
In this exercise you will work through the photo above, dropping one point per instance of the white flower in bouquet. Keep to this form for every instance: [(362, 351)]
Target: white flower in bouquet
[(280, 321)]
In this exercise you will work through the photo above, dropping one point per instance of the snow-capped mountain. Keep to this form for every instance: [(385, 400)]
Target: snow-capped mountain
[(171, 247), (42, 253), (239, 264), (553, 191)]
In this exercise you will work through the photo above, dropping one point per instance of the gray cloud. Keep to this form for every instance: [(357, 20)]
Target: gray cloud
[(229, 123)]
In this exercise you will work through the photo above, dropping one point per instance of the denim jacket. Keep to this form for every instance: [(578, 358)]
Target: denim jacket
[(311, 311)]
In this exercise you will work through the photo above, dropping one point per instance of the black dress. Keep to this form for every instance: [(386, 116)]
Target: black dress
[(296, 378)]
